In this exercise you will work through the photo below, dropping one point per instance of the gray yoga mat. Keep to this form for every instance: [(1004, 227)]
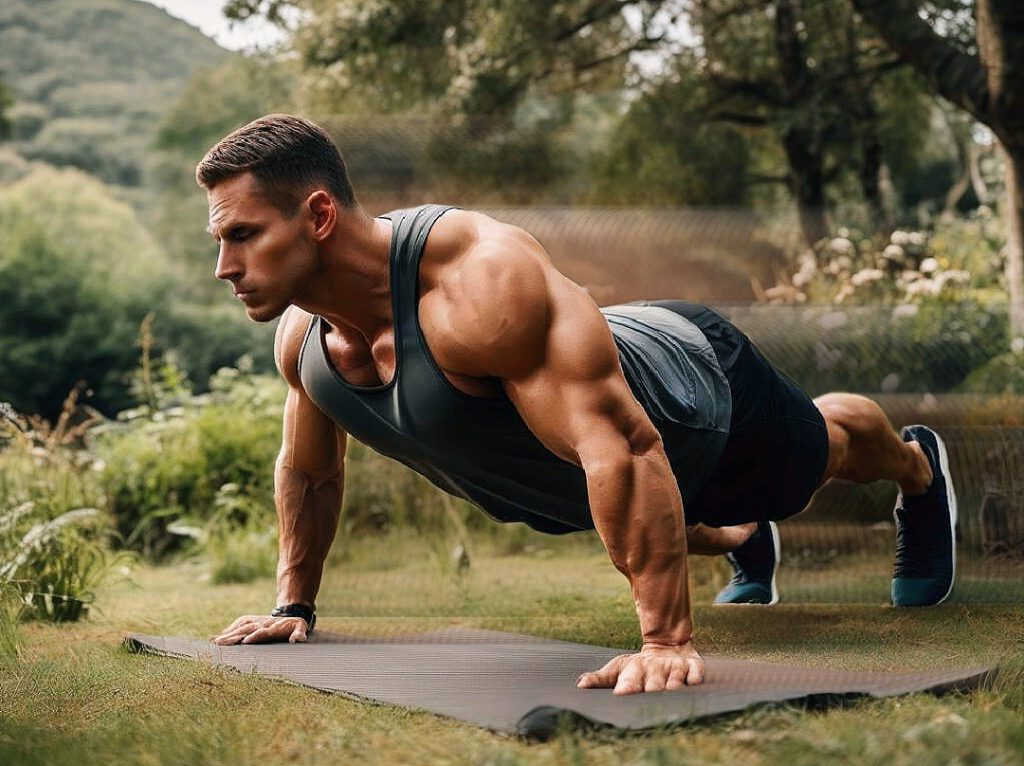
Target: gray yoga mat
[(525, 685)]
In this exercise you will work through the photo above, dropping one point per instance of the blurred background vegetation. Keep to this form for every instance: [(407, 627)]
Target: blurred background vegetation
[(795, 161)]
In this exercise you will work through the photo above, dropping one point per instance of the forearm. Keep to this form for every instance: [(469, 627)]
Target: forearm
[(638, 513), (307, 510)]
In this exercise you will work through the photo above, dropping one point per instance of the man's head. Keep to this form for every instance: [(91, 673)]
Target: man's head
[(275, 188), (287, 156)]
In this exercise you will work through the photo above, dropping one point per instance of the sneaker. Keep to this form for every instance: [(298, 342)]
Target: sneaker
[(926, 531), (754, 564)]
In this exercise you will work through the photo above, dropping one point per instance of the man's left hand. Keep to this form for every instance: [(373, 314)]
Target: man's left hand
[(656, 668)]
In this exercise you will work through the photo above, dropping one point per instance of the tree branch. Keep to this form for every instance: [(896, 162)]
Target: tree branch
[(955, 75), (597, 12)]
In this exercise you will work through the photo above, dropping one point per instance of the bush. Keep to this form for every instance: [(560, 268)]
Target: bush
[(169, 468), (927, 347), (77, 274), (1003, 374), (53, 538)]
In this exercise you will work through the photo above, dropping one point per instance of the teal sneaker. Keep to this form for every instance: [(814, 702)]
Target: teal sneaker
[(926, 531), (754, 564)]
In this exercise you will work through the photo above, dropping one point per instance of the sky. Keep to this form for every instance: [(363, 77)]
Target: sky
[(206, 15)]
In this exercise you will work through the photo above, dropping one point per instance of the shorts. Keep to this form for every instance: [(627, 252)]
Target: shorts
[(777, 450)]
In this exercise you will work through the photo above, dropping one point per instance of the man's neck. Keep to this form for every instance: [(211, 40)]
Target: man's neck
[(352, 290)]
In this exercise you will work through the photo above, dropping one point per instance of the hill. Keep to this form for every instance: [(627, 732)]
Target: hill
[(90, 79)]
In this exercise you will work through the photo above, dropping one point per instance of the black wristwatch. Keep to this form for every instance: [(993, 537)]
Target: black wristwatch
[(297, 610)]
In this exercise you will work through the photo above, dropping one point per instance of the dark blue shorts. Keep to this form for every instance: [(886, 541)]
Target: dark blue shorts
[(777, 450)]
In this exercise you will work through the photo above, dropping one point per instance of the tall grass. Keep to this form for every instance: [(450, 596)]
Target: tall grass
[(53, 537)]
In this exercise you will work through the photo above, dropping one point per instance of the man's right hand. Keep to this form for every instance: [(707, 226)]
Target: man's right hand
[(262, 629)]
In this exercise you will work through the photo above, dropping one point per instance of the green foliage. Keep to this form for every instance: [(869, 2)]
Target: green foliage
[(10, 640), (27, 119), (5, 105), (53, 538), (470, 58), (241, 539), (217, 100), (931, 348), (94, 145), (102, 71), (665, 153), (170, 469), (76, 276), (1003, 374)]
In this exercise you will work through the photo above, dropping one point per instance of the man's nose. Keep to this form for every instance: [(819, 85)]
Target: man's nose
[(228, 268)]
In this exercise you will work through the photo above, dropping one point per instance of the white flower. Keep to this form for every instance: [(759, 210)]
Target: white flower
[(844, 292), (893, 253), (923, 287), (841, 245), (864, 276), (808, 267), (929, 266)]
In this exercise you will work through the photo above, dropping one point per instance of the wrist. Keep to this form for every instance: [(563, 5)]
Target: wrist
[(297, 609), (678, 635)]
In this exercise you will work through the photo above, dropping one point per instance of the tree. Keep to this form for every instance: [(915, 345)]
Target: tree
[(816, 77), (473, 56), (982, 73)]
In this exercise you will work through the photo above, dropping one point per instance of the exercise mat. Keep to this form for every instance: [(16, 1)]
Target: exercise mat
[(525, 685)]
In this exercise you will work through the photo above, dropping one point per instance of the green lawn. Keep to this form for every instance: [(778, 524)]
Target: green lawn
[(77, 697)]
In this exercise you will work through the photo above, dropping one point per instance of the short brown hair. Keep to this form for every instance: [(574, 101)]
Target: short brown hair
[(288, 156)]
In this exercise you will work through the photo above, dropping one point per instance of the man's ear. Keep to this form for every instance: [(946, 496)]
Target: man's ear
[(325, 214)]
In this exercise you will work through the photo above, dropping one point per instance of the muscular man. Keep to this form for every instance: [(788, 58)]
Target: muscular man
[(447, 340)]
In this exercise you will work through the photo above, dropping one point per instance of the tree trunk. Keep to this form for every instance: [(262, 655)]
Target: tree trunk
[(1014, 215), (871, 168), (807, 181), (802, 139), (1001, 48)]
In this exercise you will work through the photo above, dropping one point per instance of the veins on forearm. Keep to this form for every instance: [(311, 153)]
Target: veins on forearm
[(308, 512), (638, 513)]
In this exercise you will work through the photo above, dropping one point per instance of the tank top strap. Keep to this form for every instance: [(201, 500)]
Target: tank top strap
[(410, 235)]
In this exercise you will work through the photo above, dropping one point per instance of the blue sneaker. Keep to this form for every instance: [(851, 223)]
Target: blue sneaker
[(926, 531), (754, 564)]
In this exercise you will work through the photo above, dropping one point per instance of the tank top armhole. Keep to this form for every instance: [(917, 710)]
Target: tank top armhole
[(313, 320)]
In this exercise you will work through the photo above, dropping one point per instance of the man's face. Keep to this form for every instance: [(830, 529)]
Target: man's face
[(266, 257)]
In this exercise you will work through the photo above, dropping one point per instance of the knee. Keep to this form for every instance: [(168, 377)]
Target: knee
[(850, 412)]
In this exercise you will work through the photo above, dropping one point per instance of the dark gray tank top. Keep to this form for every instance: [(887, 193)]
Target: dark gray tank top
[(480, 449)]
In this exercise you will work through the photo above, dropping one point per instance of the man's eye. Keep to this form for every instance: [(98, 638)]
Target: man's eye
[(240, 235)]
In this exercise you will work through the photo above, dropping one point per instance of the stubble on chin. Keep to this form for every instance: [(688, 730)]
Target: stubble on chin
[(264, 314)]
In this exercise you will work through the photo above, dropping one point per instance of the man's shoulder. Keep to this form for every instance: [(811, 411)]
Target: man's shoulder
[(495, 292), (291, 332)]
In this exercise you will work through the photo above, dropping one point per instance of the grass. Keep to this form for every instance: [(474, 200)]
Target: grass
[(74, 696)]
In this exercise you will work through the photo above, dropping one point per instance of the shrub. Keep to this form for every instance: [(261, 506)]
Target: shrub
[(169, 468), (929, 346), (73, 287), (1003, 374), (53, 538)]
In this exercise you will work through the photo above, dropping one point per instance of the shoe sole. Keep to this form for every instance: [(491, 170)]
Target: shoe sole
[(951, 503), (775, 544), (951, 500)]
